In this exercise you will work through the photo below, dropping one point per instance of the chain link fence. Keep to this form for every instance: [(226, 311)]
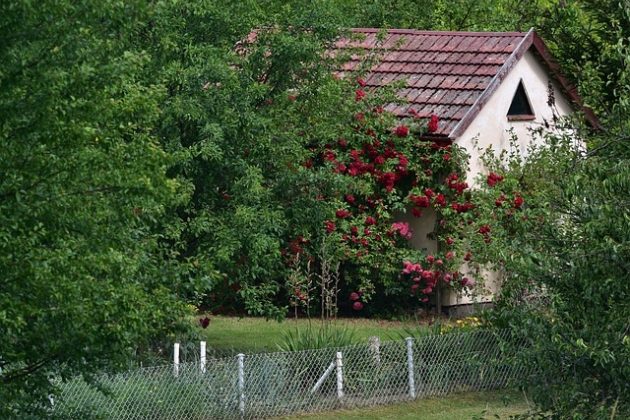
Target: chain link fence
[(275, 384)]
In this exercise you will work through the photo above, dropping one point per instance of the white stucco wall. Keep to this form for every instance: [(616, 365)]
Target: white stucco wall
[(491, 128), (422, 227)]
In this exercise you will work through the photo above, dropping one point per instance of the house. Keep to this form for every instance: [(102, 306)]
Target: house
[(482, 85)]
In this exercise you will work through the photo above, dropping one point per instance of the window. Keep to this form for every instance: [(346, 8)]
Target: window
[(520, 108)]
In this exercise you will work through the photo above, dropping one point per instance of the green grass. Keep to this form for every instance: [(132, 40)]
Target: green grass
[(258, 334), (472, 405)]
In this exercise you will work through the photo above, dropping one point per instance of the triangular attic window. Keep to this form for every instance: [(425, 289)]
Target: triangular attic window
[(520, 107)]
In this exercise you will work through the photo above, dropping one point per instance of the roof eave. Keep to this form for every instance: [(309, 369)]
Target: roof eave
[(567, 88)]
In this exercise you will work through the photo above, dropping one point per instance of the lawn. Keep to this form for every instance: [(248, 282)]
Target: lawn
[(472, 405), (260, 335)]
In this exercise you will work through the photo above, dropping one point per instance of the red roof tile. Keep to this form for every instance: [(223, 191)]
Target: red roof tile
[(451, 74), (445, 72)]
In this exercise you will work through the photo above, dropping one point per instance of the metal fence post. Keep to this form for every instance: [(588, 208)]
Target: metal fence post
[(339, 365), (374, 344), (176, 360), (412, 382), (241, 383), (202, 356)]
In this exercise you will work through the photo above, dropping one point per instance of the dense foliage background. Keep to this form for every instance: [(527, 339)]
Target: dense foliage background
[(150, 158)]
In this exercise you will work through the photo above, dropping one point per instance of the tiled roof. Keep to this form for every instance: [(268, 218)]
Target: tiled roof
[(451, 74)]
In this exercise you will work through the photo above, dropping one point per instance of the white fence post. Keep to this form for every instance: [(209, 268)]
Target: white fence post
[(412, 382), (241, 383), (202, 356), (339, 364), (176, 360)]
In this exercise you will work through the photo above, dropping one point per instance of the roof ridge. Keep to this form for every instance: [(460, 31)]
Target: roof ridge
[(428, 32)]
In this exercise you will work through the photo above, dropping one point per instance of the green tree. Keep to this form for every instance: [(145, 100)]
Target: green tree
[(86, 277), (564, 256)]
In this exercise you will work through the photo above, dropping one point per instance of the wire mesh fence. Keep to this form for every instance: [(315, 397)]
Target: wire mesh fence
[(275, 384)]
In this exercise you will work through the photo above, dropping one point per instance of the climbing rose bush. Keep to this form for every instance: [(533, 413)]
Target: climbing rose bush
[(387, 172)]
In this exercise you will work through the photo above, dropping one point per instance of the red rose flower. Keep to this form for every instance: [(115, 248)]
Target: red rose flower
[(518, 202), (493, 179), (354, 169), (343, 143), (350, 198), (359, 94), (403, 161), (416, 212), (466, 282), (354, 296), (329, 156), (440, 200), (370, 221), (330, 226), (460, 187), (420, 200), (361, 82), (432, 126), (403, 229), (357, 306), (484, 229), (450, 241), (388, 179), (402, 131), (342, 213), (410, 267)]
